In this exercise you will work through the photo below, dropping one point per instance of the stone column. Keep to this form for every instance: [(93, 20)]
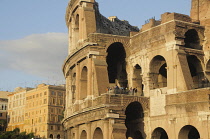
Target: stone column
[(77, 136), (90, 74), (68, 91), (77, 82), (67, 134), (89, 130), (106, 133)]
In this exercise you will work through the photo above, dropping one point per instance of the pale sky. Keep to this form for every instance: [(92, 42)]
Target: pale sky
[(33, 35)]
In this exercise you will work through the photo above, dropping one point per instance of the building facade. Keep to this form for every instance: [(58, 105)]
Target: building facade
[(3, 109), (16, 109), (38, 110), (149, 83)]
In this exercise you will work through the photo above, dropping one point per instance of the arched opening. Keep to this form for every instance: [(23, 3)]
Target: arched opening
[(207, 73), (75, 33), (73, 87), (117, 64), (192, 39), (196, 70), (58, 136), (137, 79), (83, 83), (189, 132), (83, 135), (159, 133), (158, 68), (134, 120), (51, 136), (98, 134)]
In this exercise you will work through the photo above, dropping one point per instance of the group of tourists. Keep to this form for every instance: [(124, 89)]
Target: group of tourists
[(122, 90)]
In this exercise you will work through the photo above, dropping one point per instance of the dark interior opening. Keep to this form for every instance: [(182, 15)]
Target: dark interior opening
[(192, 39), (117, 64)]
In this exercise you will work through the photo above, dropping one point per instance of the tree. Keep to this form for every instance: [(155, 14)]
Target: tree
[(15, 134)]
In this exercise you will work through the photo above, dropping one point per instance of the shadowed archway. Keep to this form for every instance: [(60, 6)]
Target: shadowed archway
[(117, 64)]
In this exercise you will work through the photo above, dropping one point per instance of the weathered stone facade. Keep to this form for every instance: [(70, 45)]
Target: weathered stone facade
[(124, 82)]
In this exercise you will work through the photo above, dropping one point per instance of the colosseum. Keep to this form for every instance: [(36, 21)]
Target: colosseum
[(123, 82)]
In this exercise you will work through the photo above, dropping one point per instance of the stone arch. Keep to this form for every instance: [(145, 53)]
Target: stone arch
[(123, 41), (192, 39), (98, 134), (51, 136), (159, 133), (196, 70), (116, 64), (207, 71), (137, 79), (83, 135), (83, 83), (75, 30), (188, 132), (134, 120), (158, 72)]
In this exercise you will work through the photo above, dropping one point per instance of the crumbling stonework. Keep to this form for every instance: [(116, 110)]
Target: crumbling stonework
[(149, 83)]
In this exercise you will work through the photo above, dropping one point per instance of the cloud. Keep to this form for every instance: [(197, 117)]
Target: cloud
[(38, 54)]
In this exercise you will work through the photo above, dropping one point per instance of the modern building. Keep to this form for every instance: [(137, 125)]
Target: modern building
[(16, 109), (38, 110), (44, 111), (3, 109), (149, 83)]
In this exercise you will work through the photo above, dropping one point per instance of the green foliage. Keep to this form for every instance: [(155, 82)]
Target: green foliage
[(15, 134)]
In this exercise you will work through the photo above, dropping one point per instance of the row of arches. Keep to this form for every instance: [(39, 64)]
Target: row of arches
[(186, 132), (117, 69), (98, 134), (135, 126), (117, 73), (54, 137), (158, 70)]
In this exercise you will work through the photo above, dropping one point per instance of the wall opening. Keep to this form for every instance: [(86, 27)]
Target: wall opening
[(76, 30), (207, 71), (192, 39), (158, 72), (159, 133), (51, 136), (73, 87), (137, 79), (134, 121), (58, 136), (83, 135), (98, 134), (189, 132), (196, 70), (83, 83), (117, 64)]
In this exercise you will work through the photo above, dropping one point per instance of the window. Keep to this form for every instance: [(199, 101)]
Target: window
[(1, 114), (45, 101), (51, 127), (60, 94), (53, 101), (53, 93), (52, 110), (45, 93), (61, 102)]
